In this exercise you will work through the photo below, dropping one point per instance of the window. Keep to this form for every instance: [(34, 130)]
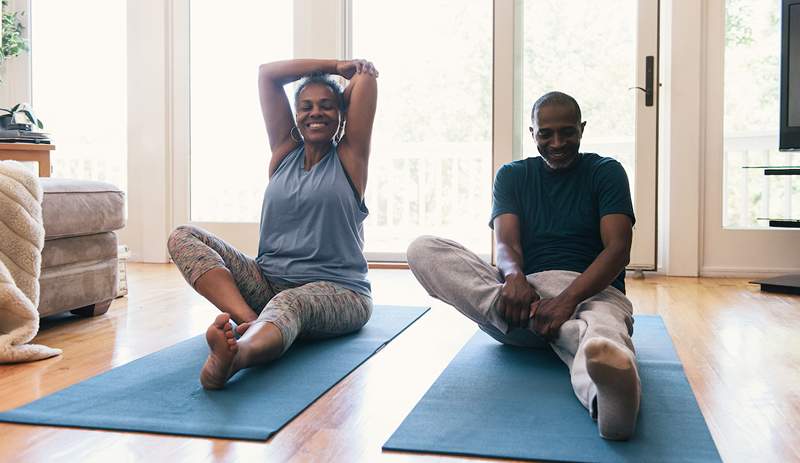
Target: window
[(752, 74), (431, 167), (229, 147), (431, 161), (79, 85)]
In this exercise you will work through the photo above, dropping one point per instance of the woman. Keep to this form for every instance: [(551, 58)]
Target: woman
[(310, 276)]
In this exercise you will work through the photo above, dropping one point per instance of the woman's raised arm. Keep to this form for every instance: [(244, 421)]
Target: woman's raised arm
[(361, 96), (275, 106)]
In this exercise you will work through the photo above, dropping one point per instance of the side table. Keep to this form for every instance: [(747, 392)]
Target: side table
[(28, 152)]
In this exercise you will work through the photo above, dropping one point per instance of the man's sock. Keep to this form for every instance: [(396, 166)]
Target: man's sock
[(612, 368)]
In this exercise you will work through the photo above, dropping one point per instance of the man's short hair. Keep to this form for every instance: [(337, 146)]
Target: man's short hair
[(556, 98)]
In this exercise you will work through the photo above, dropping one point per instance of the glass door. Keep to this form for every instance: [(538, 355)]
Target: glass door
[(605, 54)]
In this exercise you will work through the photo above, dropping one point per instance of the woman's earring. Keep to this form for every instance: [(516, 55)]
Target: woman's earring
[(291, 134), (340, 132)]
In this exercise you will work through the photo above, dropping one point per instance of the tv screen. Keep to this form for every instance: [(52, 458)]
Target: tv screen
[(790, 76)]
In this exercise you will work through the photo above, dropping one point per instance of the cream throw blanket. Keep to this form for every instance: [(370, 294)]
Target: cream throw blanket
[(21, 242)]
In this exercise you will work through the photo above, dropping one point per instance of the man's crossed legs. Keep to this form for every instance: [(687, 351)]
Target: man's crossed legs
[(595, 343)]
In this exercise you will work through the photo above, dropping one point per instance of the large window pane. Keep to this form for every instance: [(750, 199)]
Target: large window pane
[(752, 75), (229, 147), (430, 170), (80, 85), (560, 54)]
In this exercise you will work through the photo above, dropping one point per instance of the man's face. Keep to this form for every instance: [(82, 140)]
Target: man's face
[(557, 133)]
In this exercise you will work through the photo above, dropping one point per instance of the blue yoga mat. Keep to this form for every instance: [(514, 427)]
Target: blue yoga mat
[(506, 402), (161, 392)]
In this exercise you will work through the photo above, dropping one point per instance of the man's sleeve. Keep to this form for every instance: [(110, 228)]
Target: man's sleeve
[(614, 193), (504, 192)]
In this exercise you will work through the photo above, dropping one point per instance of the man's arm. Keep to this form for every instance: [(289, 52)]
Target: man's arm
[(516, 294), (616, 231)]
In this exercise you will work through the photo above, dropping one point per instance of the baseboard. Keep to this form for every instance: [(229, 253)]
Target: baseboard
[(743, 272)]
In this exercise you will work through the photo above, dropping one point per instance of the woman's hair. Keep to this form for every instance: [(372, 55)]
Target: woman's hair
[(323, 79)]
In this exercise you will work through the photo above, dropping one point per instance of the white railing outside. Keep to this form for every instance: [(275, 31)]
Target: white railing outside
[(442, 189)]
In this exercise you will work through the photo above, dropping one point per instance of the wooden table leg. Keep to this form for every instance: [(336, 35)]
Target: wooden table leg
[(44, 165)]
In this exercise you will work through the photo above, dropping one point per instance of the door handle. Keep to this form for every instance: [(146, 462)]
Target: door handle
[(649, 78)]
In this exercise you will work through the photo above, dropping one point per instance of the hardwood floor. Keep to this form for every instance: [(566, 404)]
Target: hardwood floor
[(740, 349)]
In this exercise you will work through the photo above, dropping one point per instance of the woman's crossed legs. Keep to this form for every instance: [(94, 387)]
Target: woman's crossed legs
[(271, 315)]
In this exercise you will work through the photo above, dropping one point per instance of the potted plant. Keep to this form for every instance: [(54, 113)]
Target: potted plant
[(19, 117)]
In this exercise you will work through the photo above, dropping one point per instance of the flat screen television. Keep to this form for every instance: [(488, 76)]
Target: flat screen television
[(789, 138)]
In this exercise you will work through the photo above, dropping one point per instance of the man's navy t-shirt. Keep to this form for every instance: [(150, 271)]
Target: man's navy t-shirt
[(559, 211)]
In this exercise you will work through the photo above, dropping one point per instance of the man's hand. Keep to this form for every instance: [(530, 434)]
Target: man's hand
[(515, 301), (549, 314)]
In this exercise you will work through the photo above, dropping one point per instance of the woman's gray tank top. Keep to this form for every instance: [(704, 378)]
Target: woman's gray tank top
[(312, 225)]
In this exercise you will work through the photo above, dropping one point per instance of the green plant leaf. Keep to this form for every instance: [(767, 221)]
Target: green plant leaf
[(12, 43), (30, 116)]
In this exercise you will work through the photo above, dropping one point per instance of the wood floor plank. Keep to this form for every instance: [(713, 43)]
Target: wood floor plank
[(739, 346)]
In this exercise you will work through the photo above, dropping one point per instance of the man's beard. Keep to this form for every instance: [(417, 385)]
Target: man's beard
[(557, 162)]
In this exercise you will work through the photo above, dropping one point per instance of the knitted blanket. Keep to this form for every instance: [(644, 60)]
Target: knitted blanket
[(21, 242)]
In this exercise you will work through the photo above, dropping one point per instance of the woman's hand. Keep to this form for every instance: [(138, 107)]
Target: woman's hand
[(348, 69)]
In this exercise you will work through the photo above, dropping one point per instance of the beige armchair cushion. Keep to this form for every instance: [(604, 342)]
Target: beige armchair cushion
[(81, 207)]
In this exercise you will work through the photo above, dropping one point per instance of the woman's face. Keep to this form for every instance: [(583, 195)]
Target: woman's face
[(318, 115)]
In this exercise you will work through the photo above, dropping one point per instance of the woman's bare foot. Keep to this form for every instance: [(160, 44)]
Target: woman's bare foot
[(222, 344)]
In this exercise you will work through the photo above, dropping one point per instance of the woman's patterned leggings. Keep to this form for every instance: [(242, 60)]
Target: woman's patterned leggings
[(313, 310)]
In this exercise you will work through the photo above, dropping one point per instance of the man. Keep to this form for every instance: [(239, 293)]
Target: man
[(563, 228)]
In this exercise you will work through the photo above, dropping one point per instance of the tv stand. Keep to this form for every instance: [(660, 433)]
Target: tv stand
[(789, 284), (785, 283)]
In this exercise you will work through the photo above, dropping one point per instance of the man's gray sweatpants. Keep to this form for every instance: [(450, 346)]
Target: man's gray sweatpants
[(457, 276)]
